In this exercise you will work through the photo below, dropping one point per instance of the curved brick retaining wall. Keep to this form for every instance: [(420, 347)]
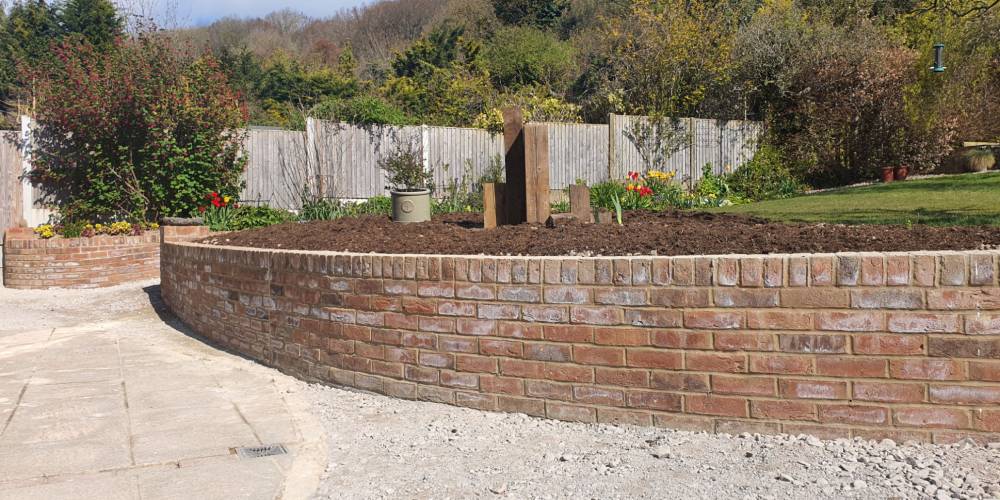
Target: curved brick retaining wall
[(102, 261), (905, 346)]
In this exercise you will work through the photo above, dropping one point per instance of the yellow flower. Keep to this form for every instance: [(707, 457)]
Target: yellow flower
[(226, 199)]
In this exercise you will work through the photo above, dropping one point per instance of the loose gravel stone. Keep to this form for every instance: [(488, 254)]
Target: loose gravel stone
[(413, 449)]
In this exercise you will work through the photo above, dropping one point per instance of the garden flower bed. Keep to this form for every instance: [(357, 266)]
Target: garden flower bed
[(643, 233)]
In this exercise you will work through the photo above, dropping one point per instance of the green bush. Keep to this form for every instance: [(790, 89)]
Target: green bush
[(765, 177), (246, 217), (135, 132), (361, 110)]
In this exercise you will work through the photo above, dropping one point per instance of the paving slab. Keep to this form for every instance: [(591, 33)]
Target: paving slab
[(133, 406)]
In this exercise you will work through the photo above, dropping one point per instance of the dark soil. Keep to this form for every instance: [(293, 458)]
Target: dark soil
[(644, 233)]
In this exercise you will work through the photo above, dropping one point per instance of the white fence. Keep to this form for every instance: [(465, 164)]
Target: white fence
[(339, 160)]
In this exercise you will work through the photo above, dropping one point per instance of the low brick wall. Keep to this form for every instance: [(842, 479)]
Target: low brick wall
[(102, 261), (904, 346)]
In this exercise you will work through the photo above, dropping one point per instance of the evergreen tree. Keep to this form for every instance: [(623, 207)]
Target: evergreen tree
[(96, 20)]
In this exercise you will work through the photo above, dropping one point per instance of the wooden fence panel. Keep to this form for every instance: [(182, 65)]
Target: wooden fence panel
[(276, 173), (10, 180), (577, 151), (460, 155)]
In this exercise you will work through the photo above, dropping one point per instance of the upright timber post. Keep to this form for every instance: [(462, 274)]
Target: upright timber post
[(527, 164)]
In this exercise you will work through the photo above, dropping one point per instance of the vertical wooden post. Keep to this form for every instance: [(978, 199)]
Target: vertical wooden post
[(579, 203), (536, 152), (513, 141), (494, 208)]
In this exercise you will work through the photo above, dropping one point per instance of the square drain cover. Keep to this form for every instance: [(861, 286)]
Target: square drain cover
[(261, 451)]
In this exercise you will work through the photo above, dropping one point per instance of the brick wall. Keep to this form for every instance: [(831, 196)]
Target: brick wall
[(102, 261), (905, 346)]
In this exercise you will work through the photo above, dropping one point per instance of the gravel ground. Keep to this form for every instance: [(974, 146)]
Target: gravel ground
[(386, 448), (40, 309)]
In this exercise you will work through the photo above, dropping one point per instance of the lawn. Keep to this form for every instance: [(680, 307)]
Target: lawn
[(965, 200)]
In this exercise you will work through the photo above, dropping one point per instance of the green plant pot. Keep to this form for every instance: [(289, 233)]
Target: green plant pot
[(411, 206)]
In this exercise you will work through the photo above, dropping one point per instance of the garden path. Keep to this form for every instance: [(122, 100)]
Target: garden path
[(101, 397)]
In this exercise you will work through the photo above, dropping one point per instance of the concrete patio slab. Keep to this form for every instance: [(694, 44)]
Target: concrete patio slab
[(134, 407)]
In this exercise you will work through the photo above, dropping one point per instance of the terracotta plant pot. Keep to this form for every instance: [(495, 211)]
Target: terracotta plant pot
[(901, 172), (411, 206), (888, 174)]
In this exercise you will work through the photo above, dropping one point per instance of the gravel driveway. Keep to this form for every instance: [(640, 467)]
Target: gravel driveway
[(385, 448)]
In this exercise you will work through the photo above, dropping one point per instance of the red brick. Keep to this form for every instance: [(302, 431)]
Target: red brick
[(570, 413), (531, 294), (460, 380), (394, 370), (676, 339), (523, 369), (501, 385), (850, 367), (548, 352), (397, 355), (927, 369), (818, 344), (895, 345), (507, 348), (423, 375), (660, 272), (450, 343), (621, 336), (475, 364), (599, 395), (779, 320), (567, 295), (785, 365), (482, 402), (545, 314), (988, 420), (679, 381), (848, 270), (706, 404), (741, 297), (887, 298), (548, 390), (889, 393), (533, 407), (783, 410), (476, 292), (798, 271), (595, 355), (872, 271), (499, 311), (953, 270), (420, 340), (812, 389), (596, 315), (924, 270), (982, 324), (622, 377), (655, 400), (680, 297), (727, 271), (821, 270), (440, 290), (965, 395), (939, 418), (621, 296), (624, 417), (987, 371), (654, 358), (984, 299), (849, 321), (752, 272), (568, 373), (520, 331), (924, 323), (744, 341), (897, 269), (982, 269), (437, 325), (659, 318), (369, 351), (716, 362), (815, 298), (476, 327), (569, 333), (713, 320), (745, 386), (401, 321), (952, 347), (853, 414)]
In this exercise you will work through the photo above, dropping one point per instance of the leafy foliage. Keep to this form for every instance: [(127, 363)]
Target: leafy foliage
[(404, 168), (766, 177), (133, 133)]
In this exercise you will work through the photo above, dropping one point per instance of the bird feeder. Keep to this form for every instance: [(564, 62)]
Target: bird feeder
[(938, 66)]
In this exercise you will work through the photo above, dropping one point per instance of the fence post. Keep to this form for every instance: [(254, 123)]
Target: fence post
[(612, 145)]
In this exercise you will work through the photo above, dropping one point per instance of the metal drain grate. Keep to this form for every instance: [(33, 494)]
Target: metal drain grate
[(261, 451)]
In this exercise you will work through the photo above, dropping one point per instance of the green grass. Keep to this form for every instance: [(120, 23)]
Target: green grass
[(960, 200)]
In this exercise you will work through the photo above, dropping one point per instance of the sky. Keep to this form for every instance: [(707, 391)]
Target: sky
[(202, 12)]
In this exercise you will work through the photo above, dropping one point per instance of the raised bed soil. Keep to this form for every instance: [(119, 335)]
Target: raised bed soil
[(644, 233)]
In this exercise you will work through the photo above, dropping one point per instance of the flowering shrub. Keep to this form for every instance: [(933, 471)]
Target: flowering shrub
[(88, 230), (136, 132), (217, 214), (656, 190)]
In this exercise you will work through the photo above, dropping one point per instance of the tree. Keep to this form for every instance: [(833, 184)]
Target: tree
[(135, 132), (95, 20), (525, 56), (538, 13)]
